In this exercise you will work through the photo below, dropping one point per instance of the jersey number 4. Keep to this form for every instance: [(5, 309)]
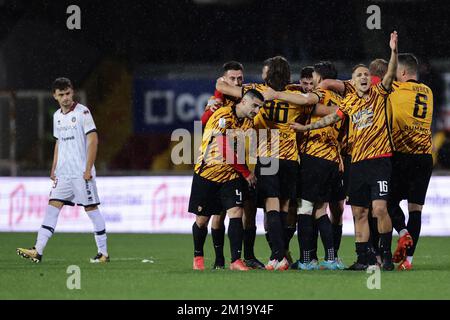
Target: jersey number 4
[(277, 112), (420, 107)]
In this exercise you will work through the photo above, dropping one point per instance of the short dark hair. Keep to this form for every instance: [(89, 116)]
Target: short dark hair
[(232, 65), (326, 70), (378, 67), (359, 65), (279, 73), (266, 62), (409, 61), (306, 72), (253, 93), (61, 84)]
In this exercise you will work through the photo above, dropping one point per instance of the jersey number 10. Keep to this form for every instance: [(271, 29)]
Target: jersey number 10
[(277, 112)]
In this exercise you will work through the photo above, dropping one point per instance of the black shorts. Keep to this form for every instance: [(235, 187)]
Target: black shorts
[(369, 180), (210, 198), (346, 175), (279, 183), (321, 181), (411, 175)]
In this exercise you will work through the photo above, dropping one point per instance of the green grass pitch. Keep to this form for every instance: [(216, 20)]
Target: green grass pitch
[(170, 276)]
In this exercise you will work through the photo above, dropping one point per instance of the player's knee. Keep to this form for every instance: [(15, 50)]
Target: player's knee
[(217, 222), (360, 214), (202, 221), (235, 212), (56, 204), (87, 209), (379, 211)]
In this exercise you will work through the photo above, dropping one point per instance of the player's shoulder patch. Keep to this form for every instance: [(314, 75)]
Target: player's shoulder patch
[(222, 122)]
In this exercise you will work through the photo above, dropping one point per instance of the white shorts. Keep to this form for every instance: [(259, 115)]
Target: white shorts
[(73, 191)]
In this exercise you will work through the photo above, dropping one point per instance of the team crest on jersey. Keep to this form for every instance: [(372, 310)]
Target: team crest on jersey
[(199, 209), (363, 118), (74, 119)]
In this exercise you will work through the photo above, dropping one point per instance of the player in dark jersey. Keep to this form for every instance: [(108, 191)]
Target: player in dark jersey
[(371, 151), (412, 163), (217, 184)]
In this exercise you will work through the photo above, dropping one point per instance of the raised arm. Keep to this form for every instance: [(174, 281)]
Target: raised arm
[(393, 62), (325, 121), (227, 89)]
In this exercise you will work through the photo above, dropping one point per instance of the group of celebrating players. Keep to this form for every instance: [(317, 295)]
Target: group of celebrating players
[(366, 141)]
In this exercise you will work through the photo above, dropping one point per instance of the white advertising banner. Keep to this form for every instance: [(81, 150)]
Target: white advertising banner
[(159, 205)]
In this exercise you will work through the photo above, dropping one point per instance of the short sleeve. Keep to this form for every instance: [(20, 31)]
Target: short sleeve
[(88, 122), (55, 131)]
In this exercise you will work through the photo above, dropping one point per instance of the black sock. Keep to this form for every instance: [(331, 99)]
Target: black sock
[(337, 237), (275, 230), (315, 238), (288, 233), (397, 217), (269, 242), (361, 252), (305, 237), (385, 244), (374, 234), (249, 243), (235, 234), (414, 226), (324, 226), (218, 238), (283, 217), (199, 235)]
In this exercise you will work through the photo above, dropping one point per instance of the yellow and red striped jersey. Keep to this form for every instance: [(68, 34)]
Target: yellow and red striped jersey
[(323, 143), (369, 130), (211, 164), (274, 117)]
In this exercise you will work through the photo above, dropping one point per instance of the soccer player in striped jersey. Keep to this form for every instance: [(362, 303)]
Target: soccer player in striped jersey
[(412, 163), (320, 182), (73, 171), (377, 70), (217, 184), (233, 74), (305, 85), (276, 188), (371, 165)]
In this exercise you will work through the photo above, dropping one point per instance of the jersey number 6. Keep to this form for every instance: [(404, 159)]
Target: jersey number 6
[(421, 103)]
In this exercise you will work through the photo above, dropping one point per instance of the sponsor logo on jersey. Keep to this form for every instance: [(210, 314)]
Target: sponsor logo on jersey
[(363, 118)]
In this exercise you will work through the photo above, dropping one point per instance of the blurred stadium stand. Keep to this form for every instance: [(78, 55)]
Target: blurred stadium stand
[(146, 68)]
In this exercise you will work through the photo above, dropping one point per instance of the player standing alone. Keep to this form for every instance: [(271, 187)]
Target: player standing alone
[(73, 171)]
